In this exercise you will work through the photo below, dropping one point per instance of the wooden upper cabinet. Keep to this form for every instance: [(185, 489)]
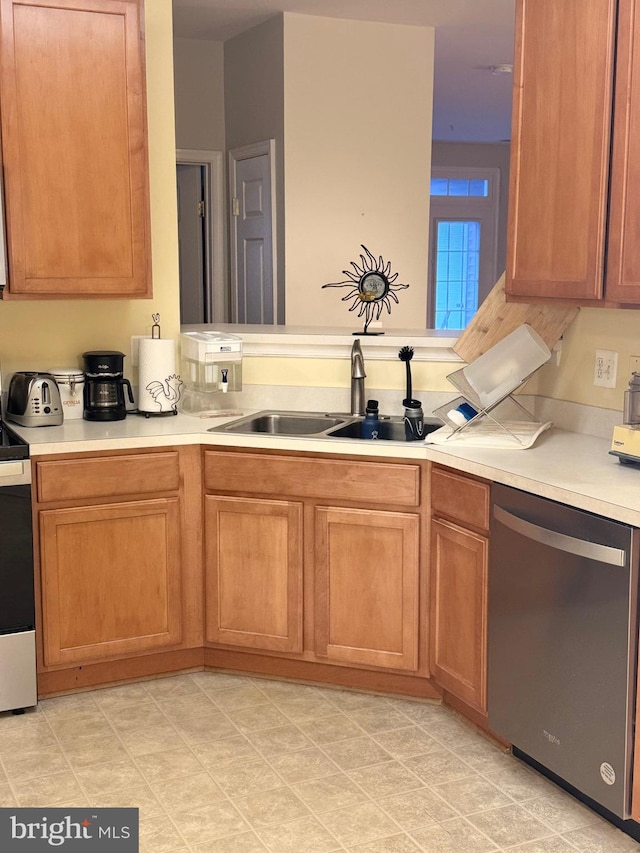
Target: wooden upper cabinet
[(74, 144), (561, 128), (623, 265)]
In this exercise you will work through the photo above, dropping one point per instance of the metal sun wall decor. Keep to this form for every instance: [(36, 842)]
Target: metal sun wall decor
[(372, 288)]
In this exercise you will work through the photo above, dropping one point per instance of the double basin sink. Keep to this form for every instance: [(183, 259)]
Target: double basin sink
[(318, 425)]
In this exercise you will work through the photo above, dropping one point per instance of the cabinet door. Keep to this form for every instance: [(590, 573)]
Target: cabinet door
[(253, 564), (75, 148), (111, 580), (367, 598), (560, 148), (459, 562), (623, 262)]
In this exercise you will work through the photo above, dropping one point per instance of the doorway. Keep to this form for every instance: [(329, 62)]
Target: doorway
[(204, 295)]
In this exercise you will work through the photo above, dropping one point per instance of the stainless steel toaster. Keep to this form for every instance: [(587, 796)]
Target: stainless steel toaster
[(34, 400)]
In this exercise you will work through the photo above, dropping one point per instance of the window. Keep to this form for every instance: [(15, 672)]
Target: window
[(459, 187), (463, 244), (456, 273)]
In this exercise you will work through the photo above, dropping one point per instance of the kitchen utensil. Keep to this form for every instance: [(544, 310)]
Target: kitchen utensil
[(406, 354), (496, 318), (632, 401), (104, 386), (34, 400), (626, 436)]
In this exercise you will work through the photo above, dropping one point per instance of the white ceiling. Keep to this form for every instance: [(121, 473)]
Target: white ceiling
[(471, 103)]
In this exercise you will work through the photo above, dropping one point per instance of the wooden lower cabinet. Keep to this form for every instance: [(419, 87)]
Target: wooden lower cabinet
[(118, 552), (292, 565), (112, 583), (459, 554), (315, 558), (459, 630), (367, 587), (253, 573)]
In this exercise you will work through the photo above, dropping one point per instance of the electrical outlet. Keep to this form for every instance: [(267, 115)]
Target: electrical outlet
[(606, 368)]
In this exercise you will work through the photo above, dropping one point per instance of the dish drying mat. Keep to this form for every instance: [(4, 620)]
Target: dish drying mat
[(508, 435)]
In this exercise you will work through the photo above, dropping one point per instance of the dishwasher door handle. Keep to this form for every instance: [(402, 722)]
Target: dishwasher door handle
[(560, 541)]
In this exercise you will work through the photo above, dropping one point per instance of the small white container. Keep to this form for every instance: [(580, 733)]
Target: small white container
[(211, 361), (71, 384)]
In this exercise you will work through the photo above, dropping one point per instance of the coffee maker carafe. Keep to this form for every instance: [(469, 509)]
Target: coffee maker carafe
[(104, 386)]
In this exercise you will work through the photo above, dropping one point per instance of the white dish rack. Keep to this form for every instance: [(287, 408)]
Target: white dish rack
[(492, 379)]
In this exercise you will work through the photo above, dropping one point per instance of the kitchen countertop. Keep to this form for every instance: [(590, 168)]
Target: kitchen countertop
[(569, 467)]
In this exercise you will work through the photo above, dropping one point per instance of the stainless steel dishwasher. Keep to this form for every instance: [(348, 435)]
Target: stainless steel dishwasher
[(562, 647)]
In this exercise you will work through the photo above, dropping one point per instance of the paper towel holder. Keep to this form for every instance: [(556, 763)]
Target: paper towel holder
[(159, 386)]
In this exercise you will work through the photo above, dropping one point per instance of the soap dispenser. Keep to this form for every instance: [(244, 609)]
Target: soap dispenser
[(370, 427)]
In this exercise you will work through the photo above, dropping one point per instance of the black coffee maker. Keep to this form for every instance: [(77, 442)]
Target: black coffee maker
[(104, 386)]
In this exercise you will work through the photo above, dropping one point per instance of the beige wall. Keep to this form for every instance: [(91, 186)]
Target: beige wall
[(253, 74), (54, 333), (254, 110), (335, 373), (199, 77), (594, 328), (358, 104)]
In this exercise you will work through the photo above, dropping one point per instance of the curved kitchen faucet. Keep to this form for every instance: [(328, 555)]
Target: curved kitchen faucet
[(357, 379)]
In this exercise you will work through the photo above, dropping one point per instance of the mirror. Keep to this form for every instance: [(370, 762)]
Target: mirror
[(200, 81)]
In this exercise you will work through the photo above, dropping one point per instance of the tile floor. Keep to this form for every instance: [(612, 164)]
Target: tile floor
[(221, 763)]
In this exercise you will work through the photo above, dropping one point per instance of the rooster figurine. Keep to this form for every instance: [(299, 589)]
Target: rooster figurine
[(166, 393)]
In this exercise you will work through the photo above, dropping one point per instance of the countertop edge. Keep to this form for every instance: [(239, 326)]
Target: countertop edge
[(571, 468)]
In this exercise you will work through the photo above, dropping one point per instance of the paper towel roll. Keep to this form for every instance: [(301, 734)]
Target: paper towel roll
[(158, 383)]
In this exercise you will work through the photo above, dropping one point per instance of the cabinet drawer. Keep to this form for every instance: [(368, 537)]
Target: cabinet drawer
[(107, 476), (375, 482), (460, 498)]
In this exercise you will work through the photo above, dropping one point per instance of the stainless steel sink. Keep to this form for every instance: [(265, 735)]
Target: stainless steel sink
[(318, 425), (284, 423)]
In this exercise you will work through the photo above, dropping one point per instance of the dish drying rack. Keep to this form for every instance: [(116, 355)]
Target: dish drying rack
[(492, 379), (483, 411)]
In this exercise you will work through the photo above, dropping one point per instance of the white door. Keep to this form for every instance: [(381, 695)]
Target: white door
[(253, 291)]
